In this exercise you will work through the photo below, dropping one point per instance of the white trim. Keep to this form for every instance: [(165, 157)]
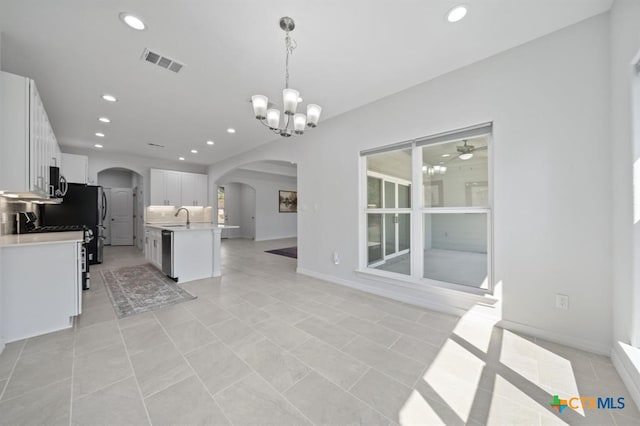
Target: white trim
[(560, 338), (434, 298), (626, 360), (276, 238)]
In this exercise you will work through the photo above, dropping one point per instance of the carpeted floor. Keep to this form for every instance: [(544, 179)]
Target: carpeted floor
[(141, 288), (288, 252)]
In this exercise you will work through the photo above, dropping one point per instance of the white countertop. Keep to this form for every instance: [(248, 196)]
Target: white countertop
[(15, 240), (192, 227)]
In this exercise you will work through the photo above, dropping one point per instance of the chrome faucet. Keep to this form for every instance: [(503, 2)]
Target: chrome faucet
[(178, 211)]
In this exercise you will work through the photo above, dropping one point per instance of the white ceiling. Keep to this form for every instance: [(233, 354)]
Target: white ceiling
[(349, 53)]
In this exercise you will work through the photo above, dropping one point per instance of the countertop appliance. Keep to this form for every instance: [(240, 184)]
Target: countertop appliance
[(26, 224), (82, 205), (57, 183), (167, 254)]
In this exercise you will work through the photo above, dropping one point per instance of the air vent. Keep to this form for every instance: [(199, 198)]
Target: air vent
[(162, 61), (156, 145)]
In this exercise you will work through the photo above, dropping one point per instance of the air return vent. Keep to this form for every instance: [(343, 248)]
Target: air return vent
[(155, 144), (161, 61)]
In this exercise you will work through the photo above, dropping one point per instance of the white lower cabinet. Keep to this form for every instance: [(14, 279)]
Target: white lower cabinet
[(43, 299), (153, 246)]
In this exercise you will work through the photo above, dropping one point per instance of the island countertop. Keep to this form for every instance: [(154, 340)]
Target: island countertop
[(17, 240), (180, 227)]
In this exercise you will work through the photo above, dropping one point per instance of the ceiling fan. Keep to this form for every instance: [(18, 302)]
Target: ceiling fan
[(465, 152)]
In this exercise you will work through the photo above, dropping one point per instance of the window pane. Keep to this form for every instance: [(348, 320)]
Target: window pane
[(389, 195), (455, 174), (396, 242), (393, 168), (374, 192), (455, 248), (374, 238), (404, 196), (389, 234)]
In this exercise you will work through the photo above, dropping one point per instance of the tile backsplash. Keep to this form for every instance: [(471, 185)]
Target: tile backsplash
[(166, 214), (8, 210)]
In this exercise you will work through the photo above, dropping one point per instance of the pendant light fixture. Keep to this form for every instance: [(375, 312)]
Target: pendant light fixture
[(288, 122)]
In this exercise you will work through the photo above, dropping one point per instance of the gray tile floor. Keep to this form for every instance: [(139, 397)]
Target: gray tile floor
[(264, 345)]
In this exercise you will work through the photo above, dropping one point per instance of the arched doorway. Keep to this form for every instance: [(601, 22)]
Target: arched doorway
[(125, 207)]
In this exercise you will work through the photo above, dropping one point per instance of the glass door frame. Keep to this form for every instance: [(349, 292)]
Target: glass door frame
[(387, 211)]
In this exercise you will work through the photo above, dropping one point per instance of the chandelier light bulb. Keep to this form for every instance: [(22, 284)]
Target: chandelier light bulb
[(260, 103), (313, 114), (273, 118), (290, 100), (299, 122)]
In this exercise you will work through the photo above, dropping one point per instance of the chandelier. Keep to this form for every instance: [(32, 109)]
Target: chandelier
[(292, 122)]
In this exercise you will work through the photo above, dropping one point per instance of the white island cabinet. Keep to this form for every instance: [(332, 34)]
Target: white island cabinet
[(195, 250), (43, 298)]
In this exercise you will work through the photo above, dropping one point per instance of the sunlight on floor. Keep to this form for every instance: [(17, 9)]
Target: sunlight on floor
[(510, 405), (476, 328), (540, 366), (454, 375), (418, 411)]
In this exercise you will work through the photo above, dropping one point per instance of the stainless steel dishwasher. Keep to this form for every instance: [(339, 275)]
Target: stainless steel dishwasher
[(167, 254)]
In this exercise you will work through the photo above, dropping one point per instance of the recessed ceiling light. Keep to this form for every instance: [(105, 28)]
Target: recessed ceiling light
[(231, 130), (104, 119), (457, 13), (100, 135), (132, 21), (446, 155), (181, 158), (194, 151), (210, 142), (109, 98), (98, 145)]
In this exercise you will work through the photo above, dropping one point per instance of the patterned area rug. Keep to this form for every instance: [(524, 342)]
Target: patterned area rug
[(289, 252), (141, 288)]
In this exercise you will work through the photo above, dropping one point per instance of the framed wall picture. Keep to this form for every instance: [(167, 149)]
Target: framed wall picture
[(287, 201)]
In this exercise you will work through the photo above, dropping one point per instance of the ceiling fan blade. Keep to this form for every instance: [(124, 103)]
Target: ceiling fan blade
[(482, 148)]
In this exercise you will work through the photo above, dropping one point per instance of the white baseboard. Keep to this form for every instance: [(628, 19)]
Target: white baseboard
[(437, 300), (626, 360), (554, 337), (276, 238)]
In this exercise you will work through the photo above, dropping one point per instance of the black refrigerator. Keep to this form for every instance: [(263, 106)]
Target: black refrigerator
[(82, 205)]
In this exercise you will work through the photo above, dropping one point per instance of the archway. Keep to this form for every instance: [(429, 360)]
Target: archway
[(125, 206), (262, 182)]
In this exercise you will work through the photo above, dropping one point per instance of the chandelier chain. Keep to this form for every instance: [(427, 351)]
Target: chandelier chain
[(290, 44)]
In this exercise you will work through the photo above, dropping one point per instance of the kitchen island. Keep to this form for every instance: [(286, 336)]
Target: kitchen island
[(185, 253)]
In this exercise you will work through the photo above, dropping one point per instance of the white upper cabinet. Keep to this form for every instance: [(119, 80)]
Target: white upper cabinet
[(75, 168), (28, 145), (171, 188)]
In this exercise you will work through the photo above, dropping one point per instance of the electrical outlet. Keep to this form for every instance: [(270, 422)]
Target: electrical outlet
[(336, 258), (562, 301)]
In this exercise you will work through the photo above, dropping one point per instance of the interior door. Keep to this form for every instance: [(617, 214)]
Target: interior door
[(107, 218), (121, 207)]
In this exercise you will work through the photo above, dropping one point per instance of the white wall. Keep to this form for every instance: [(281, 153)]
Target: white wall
[(270, 224), (99, 161), (116, 178), (1, 302), (549, 102), (625, 45)]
